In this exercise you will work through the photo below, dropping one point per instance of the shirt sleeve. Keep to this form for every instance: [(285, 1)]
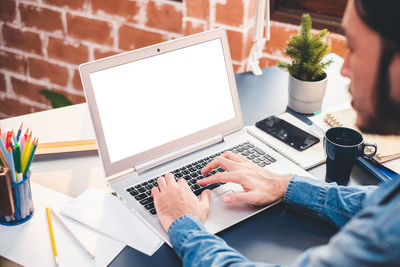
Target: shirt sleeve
[(197, 247), (329, 201), (361, 242)]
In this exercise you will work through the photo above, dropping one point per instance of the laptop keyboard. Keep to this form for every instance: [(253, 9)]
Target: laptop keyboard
[(192, 172)]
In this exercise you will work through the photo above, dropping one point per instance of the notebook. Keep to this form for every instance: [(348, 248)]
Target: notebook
[(173, 107), (380, 171), (306, 159), (388, 146)]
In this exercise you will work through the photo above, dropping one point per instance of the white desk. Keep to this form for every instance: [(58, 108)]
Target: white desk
[(70, 174), (260, 97)]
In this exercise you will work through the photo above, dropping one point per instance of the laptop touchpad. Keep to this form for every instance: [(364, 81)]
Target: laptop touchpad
[(222, 215)]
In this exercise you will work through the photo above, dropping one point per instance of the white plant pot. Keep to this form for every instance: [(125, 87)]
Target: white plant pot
[(306, 97)]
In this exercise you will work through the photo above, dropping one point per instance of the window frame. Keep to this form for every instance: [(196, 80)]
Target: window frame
[(293, 16)]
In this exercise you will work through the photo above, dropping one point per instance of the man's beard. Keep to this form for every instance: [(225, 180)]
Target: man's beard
[(386, 118), (383, 121)]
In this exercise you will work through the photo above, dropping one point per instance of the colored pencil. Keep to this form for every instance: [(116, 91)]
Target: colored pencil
[(72, 234), (53, 242), (26, 167), (19, 131)]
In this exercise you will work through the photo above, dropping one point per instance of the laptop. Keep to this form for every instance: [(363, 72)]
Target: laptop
[(172, 107)]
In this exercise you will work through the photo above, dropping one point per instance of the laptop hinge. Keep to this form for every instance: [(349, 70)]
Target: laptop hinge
[(237, 130), (115, 176), (176, 154)]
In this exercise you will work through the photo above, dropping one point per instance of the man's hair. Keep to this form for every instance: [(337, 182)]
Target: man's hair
[(383, 17)]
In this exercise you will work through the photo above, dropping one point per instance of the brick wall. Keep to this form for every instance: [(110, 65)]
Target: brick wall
[(42, 42)]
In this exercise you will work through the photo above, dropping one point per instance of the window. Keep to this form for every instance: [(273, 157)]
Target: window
[(325, 13)]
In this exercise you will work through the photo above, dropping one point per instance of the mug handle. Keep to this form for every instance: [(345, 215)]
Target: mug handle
[(369, 154)]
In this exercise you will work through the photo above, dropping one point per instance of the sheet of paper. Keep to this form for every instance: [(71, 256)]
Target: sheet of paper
[(29, 243), (107, 214)]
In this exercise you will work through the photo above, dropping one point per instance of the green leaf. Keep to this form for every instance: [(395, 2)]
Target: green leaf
[(57, 99), (306, 52)]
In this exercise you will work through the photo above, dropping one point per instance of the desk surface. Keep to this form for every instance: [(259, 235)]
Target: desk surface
[(277, 235)]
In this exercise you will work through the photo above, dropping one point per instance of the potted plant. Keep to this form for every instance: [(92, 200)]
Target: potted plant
[(307, 78)]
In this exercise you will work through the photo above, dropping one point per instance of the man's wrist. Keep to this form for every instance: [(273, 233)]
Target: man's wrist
[(182, 228), (285, 183)]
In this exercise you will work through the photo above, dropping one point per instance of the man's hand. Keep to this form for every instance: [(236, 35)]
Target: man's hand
[(174, 199), (260, 186)]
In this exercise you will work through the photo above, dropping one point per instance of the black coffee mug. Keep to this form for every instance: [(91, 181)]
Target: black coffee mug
[(342, 147)]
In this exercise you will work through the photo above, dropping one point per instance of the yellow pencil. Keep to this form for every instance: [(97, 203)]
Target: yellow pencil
[(26, 147), (53, 243), (25, 158), (72, 234)]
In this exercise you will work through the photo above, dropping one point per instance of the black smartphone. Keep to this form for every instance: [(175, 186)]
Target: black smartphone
[(287, 133)]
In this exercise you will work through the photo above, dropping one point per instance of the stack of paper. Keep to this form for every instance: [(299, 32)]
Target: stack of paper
[(29, 243), (107, 214)]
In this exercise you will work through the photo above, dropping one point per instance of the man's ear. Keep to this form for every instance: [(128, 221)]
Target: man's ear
[(394, 72)]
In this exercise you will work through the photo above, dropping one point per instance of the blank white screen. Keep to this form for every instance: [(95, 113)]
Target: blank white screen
[(156, 100)]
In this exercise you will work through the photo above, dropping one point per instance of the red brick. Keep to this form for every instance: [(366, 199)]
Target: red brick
[(71, 4), (41, 69), (231, 13), (101, 53), (89, 29), (133, 38), (4, 116), (32, 91), (338, 45), (37, 109), (248, 43), (236, 67), (267, 62), (12, 107), (122, 8), (164, 16), (75, 99), (2, 83), (192, 28), (41, 18), (280, 35), (23, 40), (251, 11), (76, 81), (12, 62), (235, 40), (75, 54), (197, 9), (8, 10), (28, 90)]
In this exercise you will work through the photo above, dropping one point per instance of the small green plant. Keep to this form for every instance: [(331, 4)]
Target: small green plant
[(57, 100), (306, 52)]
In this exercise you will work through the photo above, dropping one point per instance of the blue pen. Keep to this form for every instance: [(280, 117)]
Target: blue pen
[(19, 131)]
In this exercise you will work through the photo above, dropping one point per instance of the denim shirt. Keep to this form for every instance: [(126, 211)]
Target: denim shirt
[(368, 218)]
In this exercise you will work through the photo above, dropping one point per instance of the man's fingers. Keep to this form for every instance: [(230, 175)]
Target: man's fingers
[(239, 197), (205, 198), (161, 183), (220, 161), (154, 191), (232, 156), (169, 178), (223, 177), (184, 183)]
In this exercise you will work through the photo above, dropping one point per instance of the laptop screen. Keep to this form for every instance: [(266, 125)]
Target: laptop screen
[(153, 101)]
